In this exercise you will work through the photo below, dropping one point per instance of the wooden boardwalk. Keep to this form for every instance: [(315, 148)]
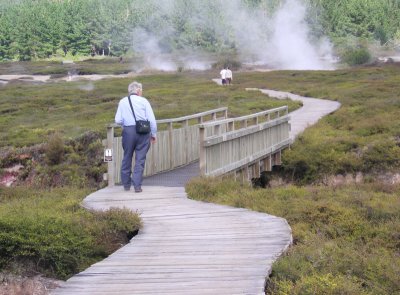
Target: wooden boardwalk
[(313, 109), (190, 247), (184, 247)]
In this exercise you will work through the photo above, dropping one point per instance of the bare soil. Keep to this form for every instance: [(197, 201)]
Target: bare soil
[(18, 285)]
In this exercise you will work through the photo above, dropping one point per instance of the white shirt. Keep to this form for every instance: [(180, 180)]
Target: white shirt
[(143, 111), (228, 74), (223, 74)]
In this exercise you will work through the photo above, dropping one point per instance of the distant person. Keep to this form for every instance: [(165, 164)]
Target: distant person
[(223, 76), (132, 142), (228, 76)]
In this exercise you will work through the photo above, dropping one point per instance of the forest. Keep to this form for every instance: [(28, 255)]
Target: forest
[(40, 29)]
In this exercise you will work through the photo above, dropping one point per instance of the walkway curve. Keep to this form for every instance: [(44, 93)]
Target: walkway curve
[(191, 247), (312, 110)]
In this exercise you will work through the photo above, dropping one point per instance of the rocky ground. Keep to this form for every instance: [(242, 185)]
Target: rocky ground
[(18, 285)]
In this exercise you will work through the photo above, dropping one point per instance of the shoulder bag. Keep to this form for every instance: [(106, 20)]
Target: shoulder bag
[(142, 126)]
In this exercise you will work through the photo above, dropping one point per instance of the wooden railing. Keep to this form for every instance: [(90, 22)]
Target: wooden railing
[(236, 144), (176, 146)]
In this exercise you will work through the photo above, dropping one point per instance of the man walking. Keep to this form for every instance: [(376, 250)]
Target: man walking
[(223, 76), (131, 109), (228, 76)]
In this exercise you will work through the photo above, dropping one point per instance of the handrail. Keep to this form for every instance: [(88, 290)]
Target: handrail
[(246, 117), (221, 141), (184, 118), (176, 146), (194, 116)]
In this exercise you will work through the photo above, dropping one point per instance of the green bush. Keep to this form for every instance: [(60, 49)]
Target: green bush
[(64, 240), (357, 56), (55, 150), (230, 62)]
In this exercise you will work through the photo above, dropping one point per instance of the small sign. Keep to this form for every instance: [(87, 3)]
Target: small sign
[(108, 155)]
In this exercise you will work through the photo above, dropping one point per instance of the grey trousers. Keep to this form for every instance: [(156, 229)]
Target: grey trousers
[(138, 144)]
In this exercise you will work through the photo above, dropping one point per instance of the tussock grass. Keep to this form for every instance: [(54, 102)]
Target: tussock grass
[(346, 239)]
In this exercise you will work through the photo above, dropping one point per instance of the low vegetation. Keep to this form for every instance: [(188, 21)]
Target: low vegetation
[(47, 231), (110, 66), (346, 239), (43, 227), (362, 136), (31, 112)]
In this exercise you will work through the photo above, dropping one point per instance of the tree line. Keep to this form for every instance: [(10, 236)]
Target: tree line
[(36, 29)]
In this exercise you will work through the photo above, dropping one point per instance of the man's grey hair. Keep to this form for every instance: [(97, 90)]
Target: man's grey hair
[(134, 87)]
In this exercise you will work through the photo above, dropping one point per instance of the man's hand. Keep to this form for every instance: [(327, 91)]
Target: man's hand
[(153, 139)]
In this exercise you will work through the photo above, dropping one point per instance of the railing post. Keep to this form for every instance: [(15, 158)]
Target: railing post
[(202, 152), (186, 130), (217, 129), (267, 164), (245, 175), (231, 126), (257, 169), (226, 114), (110, 165), (171, 145), (279, 158)]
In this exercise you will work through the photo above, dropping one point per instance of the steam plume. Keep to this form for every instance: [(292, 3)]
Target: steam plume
[(277, 37)]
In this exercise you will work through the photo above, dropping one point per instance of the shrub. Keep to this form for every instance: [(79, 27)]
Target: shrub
[(233, 64), (64, 240), (55, 149), (357, 56)]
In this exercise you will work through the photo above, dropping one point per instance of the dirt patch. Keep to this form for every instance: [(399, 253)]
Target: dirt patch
[(4, 79), (41, 78), (18, 285), (10, 175), (384, 178)]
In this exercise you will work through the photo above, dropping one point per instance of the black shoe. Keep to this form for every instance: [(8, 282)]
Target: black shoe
[(138, 190)]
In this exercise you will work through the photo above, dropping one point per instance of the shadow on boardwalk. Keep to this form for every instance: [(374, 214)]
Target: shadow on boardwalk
[(191, 247)]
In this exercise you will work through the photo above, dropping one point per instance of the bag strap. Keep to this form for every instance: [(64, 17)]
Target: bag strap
[(130, 103)]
